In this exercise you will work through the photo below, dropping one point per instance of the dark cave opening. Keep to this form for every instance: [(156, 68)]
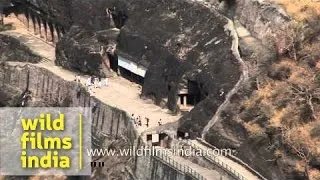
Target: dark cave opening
[(190, 96), (182, 135), (161, 139), (113, 61), (131, 76), (119, 17)]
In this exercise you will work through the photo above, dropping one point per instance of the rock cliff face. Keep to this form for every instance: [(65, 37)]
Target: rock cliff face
[(186, 35), (270, 24), (80, 50), (178, 41), (265, 20), (111, 127)]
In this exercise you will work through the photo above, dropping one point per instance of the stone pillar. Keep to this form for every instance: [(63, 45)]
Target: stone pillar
[(179, 100), (37, 27), (185, 100), (33, 22), (21, 18), (1, 18), (40, 27), (58, 32), (18, 16), (55, 34), (106, 61), (45, 29), (49, 32), (43, 33), (25, 19), (28, 19)]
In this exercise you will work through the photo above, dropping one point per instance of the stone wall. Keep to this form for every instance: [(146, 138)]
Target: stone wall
[(152, 168), (52, 90), (110, 125)]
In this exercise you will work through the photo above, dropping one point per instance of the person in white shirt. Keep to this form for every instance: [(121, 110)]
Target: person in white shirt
[(88, 82), (95, 82), (106, 82), (78, 78), (99, 84), (90, 90)]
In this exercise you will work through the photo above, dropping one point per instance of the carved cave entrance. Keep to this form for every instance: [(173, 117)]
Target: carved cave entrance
[(189, 96), (113, 62), (158, 139)]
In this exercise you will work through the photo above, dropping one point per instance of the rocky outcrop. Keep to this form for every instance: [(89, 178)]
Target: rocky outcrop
[(9, 96), (258, 150), (12, 50), (266, 21), (81, 50), (185, 35)]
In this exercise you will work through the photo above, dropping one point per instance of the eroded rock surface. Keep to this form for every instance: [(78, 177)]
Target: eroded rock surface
[(12, 50), (176, 40), (49, 90)]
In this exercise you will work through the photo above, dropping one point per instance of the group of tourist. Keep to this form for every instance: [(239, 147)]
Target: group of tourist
[(97, 82), (137, 121), (93, 82)]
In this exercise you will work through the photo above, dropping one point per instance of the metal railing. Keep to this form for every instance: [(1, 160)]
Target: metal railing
[(234, 158), (218, 162), (182, 168)]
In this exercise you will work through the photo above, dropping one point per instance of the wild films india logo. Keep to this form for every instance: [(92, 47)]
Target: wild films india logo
[(45, 141)]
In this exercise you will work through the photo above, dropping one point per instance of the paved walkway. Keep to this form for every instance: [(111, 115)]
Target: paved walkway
[(187, 166), (208, 174), (120, 93), (234, 165)]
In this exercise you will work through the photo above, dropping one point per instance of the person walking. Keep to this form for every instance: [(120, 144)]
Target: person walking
[(139, 121), (92, 79), (147, 124), (88, 83), (96, 82), (132, 117), (99, 82), (90, 91)]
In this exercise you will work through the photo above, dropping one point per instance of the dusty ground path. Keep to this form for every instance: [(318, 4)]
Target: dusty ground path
[(120, 93)]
